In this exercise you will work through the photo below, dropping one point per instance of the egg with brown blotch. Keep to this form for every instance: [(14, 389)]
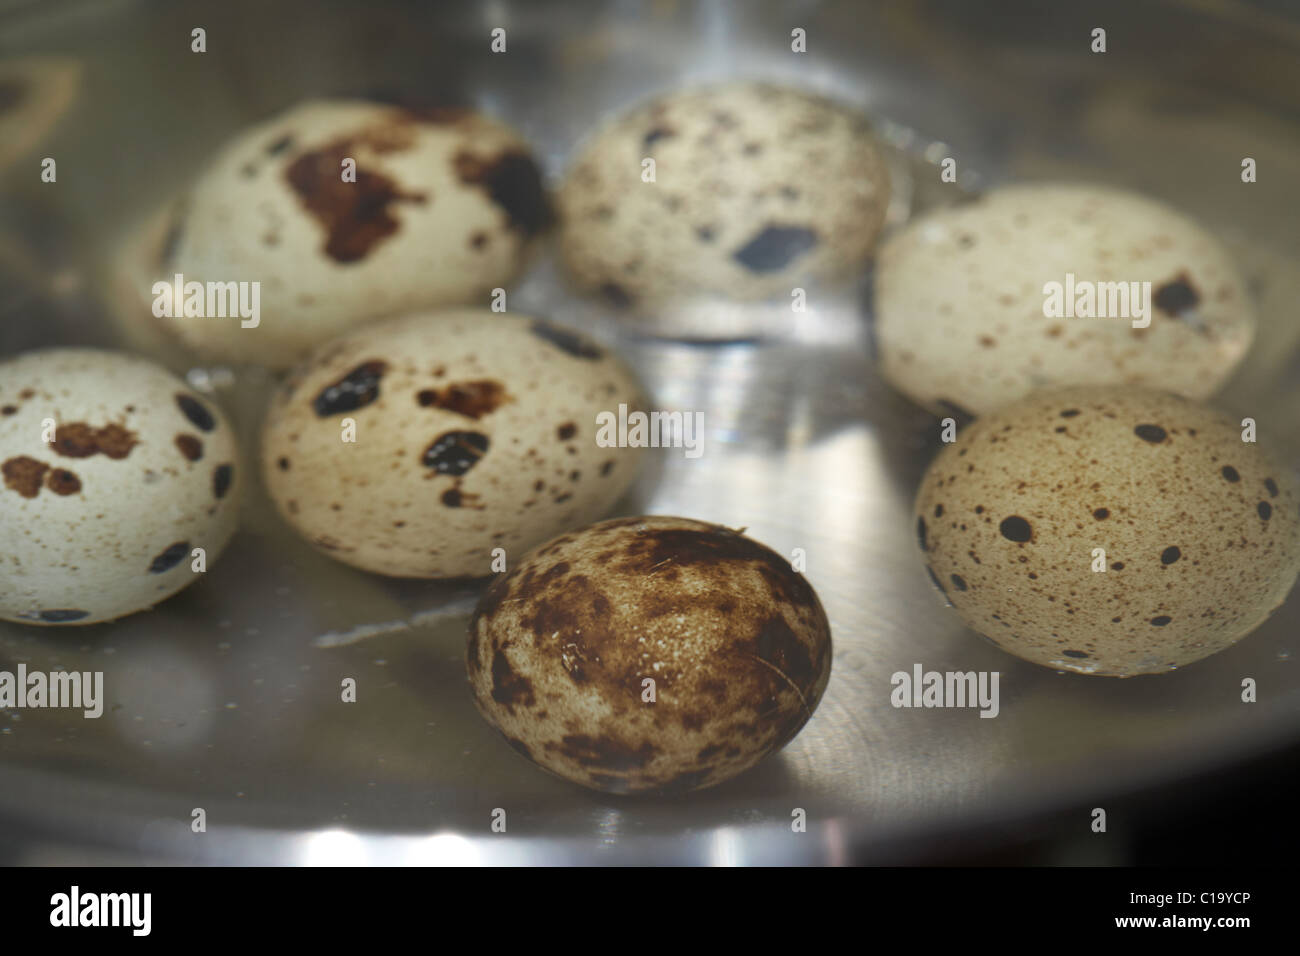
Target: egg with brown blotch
[(649, 654), (1110, 531), (114, 473), (339, 212), (418, 446)]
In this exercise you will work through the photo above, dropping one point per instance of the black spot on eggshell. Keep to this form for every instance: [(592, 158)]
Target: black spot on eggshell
[(1271, 485), (1161, 620), (281, 145), (62, 615), (1077, 654), (653, 136), (958, 582), (1069, 413), (775, 247), (169, 558), (1176, 297), (565, 340), (512, 181), (920, 533), (1170, 555), (1152, 433), (1016, 528), (1101, 514), (1231, 474), (1265, 510), (222, 476), (454, 453), (195, 411), (357, 389)]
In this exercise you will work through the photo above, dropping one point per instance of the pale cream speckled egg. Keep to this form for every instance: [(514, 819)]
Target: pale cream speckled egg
[(959, 299), (735, 641), (102, 521), (474, 430), (757, 189), (1200, 530), (444, 208)]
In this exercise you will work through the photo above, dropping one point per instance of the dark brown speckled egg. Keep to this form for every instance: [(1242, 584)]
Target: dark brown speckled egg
[(649, 654), (1112, 531)]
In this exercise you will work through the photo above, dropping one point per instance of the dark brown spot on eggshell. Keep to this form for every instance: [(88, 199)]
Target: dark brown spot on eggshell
[(470, 399), (79, 440), (356, 216), (62, 482), (24, 475), (513, 182), (190, 447), (508, 688)]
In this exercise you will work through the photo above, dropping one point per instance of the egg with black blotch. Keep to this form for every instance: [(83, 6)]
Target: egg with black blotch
[(1110, 531), (121, 485), (1040, 285), (731, 212), (418, 446), (649, 654), (343, 212)]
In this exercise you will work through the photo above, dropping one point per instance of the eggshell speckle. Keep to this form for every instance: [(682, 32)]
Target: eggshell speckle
[(443, 208), (736, 644), (1199, 529), (733, 211), (102, 521), (959, 299), (474, 430)]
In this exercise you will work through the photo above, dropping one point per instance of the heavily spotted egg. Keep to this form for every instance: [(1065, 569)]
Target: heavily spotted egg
[(650, 653), (1110, 531)]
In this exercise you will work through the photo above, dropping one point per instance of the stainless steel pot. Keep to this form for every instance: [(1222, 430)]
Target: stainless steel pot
[(225, 697)]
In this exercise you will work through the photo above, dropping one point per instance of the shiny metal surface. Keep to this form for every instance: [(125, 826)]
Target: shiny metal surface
[(227, 696)]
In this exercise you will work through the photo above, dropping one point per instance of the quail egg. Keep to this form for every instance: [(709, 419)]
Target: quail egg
[(120, 485), (418, 446), (1110, 530), (1051, 285), (342, 211), (649, 653), (756, 188)]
